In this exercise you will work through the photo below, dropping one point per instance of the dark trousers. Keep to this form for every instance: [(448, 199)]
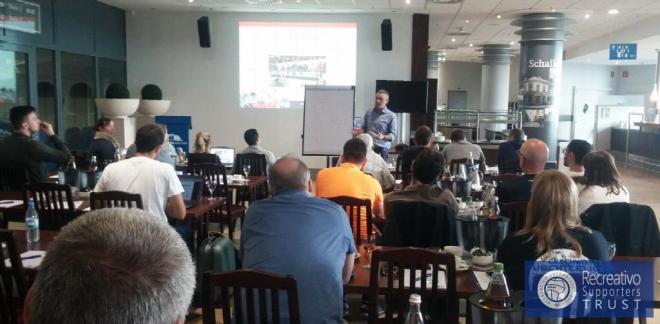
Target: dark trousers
[(383, 152)]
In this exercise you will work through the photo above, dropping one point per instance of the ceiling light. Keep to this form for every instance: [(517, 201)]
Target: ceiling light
[(298, 1), (191, 1), (588, 60), (613, 11), (498, 16), (467, 21), (481, 52), (453, 40), (511, 43), (552, 9), (587, 16), (471, 44), (407, 1)]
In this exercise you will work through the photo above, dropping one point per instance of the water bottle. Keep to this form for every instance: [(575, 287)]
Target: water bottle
[(414, 313), (497, 295), (495, 209), (93, 164), (31, 223)]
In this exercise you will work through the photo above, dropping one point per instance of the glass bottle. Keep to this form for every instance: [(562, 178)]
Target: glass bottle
[(497, 295), (414, 313), (31, 223)]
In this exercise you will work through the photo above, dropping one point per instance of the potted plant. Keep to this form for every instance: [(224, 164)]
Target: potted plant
[(152, 103), (117, 102)]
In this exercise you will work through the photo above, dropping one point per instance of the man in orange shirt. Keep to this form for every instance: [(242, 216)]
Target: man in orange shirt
[(349, 180)]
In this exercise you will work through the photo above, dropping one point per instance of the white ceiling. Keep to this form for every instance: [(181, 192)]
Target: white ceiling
[(476, 17)]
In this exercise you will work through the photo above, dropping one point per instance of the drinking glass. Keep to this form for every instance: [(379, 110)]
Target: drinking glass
[(211, 184), (369, 245), (611, 250), (246, 171)]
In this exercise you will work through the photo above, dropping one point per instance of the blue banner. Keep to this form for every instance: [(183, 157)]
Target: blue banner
[(589, 289), (624, 51)]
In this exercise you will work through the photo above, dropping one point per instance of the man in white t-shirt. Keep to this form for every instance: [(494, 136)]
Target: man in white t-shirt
[(155, 181)]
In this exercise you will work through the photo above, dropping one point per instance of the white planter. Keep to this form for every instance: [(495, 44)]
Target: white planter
[(117, 108), (154, 107)]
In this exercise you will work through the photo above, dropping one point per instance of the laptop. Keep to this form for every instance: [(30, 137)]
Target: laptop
[(225, 153), (192, 189)]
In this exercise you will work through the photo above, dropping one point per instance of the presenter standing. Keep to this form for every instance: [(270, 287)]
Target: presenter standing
[(380, 123)]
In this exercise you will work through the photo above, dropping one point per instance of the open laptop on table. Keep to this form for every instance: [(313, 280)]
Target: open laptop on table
[(192, 189), (225, 153)]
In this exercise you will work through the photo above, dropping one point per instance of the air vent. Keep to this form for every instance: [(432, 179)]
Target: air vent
[(458, 32), (264, 2), (444, 1)]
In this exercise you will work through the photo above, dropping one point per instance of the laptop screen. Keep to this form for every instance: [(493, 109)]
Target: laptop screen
[(226, 154), (188, 184)]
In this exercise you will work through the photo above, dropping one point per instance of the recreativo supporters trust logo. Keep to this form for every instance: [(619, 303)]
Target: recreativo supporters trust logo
[(556, 289)]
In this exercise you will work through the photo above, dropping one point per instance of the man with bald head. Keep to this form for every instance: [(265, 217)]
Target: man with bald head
[(296, 234), (533, 155)]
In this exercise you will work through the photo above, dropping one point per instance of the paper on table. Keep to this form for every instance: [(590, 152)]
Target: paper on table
[(483, 279), (31, 259), (10, 203), (442, 279)]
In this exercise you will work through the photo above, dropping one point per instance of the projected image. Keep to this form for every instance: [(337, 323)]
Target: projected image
[(277, 61)]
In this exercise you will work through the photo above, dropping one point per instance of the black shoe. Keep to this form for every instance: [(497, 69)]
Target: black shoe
[(347, 310), (364, 310)]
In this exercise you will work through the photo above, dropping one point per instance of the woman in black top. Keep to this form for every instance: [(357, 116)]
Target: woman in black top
[(104, 144), (552, 229)]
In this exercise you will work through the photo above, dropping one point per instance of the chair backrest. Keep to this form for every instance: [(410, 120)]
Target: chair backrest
[(217, 173), (509, 167), (54, 203), (13, 176), (257, 286), (419, 224), (114, 199), (516, 212), (196, 158), (633, 227), (257, 163), (14, 285), (397, 287), (359, 216), (398, 171), (507, 177), (481, 164)]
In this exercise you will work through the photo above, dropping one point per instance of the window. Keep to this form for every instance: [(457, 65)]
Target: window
[(112, 71), (78, 93), (14, 84), (46, 98)]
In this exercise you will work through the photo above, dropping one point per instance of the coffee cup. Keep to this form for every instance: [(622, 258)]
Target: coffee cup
[(455, 250)]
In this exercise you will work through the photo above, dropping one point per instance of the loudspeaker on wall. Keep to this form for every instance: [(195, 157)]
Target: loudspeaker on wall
[(386, 35), (204, 32)]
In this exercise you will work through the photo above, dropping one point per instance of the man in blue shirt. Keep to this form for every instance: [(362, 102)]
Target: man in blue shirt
[(380, 123), (507, 155), (296, 234)]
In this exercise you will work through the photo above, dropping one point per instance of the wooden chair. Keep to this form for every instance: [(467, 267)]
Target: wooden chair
[(507, 177), (509, 167), (359, 215), (258, 167), (217, 173), (13, 176), (54, 203), (14, 281), (516, 212), (398, 173), (114, 199), (197, 158), (252, 282), (442, 306), (482, 164)]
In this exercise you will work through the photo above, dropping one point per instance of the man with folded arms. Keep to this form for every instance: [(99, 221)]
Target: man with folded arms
[(533, 155), (20, 148), (295, 234), (113, 266)]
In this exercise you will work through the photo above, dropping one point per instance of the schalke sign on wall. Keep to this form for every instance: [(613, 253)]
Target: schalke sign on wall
[(623, 51), (21, 16)]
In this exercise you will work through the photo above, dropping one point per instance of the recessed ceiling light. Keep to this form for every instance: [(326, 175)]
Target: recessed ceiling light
[(588, 60), (298, 1), (453, 40), (613, 11), (407, 1), (587, 16), (552, 9), (471, 44), (498, 16), (191, 1), (467, 21), (511, 43), (481, 52)]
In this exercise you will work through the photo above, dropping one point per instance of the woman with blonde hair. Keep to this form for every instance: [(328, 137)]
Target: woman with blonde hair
[(202, 142), (552, 229), (601, 183)]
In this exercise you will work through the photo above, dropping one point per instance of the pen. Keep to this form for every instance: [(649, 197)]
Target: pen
[(31, 257)]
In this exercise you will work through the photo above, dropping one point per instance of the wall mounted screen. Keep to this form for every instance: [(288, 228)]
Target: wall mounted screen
[(278, 59)]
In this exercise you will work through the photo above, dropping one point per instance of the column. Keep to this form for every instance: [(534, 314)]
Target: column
[(541, 47), (495, 72)]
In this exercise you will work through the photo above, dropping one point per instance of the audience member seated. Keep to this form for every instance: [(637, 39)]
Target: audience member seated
[(601, 183), (348, 180), (104, 145), (155, 181), (575, 152), (423, 136), (552, 230), (508, 152), (425, 170), (459, 148), (202, 143), (167, 153), (22, 149), (375, 165), (309, 238), (252, 138), (114, 266), (533, 154)]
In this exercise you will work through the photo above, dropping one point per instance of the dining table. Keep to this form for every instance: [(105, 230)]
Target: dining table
[(251, 186)]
